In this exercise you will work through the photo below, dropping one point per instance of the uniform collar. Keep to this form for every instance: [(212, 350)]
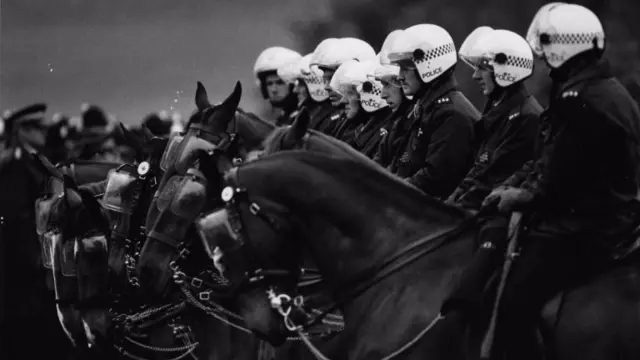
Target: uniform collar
[(577, 73), (431, 92), (507, 101)]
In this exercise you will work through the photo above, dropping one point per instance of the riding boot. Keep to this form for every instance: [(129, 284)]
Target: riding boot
[(467, 297)]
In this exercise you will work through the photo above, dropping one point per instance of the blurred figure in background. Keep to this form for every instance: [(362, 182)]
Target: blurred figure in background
[(280, 94), (95, 139), (159, 126)]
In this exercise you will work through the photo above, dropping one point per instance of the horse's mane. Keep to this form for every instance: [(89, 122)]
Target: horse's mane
[(252, 127), (358, 170), (275, 143)]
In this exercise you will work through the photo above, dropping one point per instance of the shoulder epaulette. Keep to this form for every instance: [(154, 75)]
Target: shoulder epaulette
[(569, 94), (444, 100), (514, 115), (383, 132), (335, 117)]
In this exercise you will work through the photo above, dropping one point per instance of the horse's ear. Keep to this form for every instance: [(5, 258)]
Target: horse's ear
[(131, 139), (147, 134), (299, 127), (202, 99), (233, 100)]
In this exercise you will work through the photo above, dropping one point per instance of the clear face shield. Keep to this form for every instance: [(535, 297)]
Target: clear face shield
[(478, 62), (404, 60), (540, 21)]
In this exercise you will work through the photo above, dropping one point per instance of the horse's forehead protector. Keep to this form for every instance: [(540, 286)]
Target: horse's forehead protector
[(227, 194)]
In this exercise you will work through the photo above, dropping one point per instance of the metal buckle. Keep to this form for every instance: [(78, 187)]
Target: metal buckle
[(254, 208), (196, 282), (204, 296)]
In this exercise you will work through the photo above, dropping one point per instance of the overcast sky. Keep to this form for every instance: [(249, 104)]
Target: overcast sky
[(137, 56)]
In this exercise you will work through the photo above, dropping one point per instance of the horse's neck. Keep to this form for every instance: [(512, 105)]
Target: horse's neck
[(252, 130), (352, 224), (356, 224)]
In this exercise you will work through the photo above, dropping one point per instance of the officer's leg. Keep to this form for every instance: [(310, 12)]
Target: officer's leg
[(547, 264), (467, 296)]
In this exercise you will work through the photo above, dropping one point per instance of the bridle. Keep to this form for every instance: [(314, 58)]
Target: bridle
[(234, 197)]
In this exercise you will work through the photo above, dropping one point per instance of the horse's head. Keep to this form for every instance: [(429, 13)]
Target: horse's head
[(258, 256), (182, 192)]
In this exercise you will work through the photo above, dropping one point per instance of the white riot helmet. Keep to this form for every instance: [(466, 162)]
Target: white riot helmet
[(269, 61), (299, 70), (315, 83), (429, 47), (331, 53), (342, 78), (506, 52), (289, 72), (356, 73), (273, 58), (465, 52), (560, 31)]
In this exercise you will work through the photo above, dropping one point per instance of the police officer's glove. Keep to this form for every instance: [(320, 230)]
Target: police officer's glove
[(494, 197), (511, 198)]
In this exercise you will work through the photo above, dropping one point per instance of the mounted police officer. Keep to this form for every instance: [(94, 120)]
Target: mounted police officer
[(309, 89), (438, 150), (326, 59), (583, 189), (280, 94), (508, 129), (507, 132), (366, 113), (392, 94)]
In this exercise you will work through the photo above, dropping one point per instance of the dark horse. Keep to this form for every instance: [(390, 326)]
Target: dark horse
[(390, 254)]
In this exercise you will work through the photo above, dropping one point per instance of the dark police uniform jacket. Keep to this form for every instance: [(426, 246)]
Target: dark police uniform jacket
[(438, 150), (323, 116), (391, 136), (507, 134), (367, 135), (591, 154)]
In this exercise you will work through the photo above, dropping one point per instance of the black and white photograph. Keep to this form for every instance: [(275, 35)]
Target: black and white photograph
[(319, 180)]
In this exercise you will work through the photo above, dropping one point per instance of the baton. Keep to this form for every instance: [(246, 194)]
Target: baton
[(514, 234)]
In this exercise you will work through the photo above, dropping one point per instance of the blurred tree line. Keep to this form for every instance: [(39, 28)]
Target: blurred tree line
[(372, 20)]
